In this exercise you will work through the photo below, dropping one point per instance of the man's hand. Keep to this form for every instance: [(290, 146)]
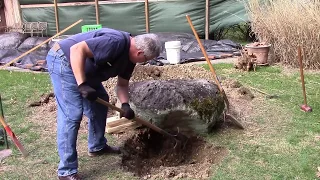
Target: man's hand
[(128, 112), (87, 92)]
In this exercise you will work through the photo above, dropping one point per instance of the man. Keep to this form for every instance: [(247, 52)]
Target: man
[(77, 66)]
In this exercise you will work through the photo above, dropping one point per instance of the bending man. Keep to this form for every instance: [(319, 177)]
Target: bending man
[(77, 66)]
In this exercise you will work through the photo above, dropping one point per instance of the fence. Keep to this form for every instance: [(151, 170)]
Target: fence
[(135, 16)]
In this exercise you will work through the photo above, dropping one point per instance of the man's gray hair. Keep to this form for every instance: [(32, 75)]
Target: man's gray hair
[(149, 44)]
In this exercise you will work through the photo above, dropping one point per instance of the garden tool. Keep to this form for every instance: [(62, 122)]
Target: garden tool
[(6, 152), (13, 137), (305, 106), (4, 132), (226, 115), (179, 139)]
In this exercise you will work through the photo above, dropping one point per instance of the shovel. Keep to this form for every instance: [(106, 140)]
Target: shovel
[(13, 137), (179, 139), (226, 115), (304, 107)]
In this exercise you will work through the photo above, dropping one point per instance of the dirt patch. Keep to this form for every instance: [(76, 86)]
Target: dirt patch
[(142, 156), (149, 155)]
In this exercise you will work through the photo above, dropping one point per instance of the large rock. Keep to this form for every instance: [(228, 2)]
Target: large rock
[(194, 106)]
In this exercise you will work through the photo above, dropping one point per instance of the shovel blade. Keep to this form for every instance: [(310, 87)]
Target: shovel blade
[(16, 141)]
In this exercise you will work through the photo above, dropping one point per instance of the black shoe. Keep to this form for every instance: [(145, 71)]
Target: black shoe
[(70, 177), (105, 150)]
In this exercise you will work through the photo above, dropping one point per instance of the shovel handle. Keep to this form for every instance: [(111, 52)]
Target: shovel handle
[(4, 124), (204, 52), (137, 119), (302, 76)]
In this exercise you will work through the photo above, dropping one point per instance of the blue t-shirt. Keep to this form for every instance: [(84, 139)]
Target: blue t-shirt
[(110, 49)]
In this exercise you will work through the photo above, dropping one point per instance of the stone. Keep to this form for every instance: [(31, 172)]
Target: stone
[(192, 106)]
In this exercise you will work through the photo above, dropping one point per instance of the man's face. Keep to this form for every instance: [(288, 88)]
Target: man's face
[(139, 57)]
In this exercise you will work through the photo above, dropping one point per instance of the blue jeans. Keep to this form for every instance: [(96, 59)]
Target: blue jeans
[(71, 107)]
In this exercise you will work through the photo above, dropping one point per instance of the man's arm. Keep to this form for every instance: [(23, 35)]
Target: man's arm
[(123, 95), (122, 90), (78, 54)]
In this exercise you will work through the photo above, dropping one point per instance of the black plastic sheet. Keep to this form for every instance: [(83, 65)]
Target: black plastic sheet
[(15, 44)]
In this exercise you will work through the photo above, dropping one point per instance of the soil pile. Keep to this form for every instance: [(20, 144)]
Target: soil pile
[(149, 155)]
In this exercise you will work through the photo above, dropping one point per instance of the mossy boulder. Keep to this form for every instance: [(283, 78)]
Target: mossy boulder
[(193, 106)]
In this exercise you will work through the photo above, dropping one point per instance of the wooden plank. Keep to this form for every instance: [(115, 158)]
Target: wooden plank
[(123, 127), (116, 121), (74, 4), (88, 3)]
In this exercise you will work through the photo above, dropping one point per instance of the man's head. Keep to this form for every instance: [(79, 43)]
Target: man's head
[(144, 47)]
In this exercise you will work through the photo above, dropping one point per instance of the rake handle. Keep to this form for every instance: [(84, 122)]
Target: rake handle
[(204, 52), (139, 120), (4, 124)]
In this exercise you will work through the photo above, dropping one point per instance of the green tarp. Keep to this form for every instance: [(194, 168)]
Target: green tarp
[(226, 13), (170, 16), (128, 17), (164, 16)]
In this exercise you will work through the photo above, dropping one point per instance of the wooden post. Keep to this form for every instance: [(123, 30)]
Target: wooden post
[(56, 15), (12, 13), (97, 11), (19, 13), (207, 28), (146, 9)]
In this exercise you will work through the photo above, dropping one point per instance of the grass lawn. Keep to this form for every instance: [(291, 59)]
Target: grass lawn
[(281, 142)]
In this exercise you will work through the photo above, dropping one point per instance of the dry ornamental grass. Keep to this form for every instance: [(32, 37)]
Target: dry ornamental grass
[(286, 25)]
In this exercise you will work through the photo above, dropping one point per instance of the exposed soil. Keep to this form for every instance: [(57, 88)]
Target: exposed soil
[(149, 155)]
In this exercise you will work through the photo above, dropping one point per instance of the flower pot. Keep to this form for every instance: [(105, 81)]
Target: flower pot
[(260, 50)]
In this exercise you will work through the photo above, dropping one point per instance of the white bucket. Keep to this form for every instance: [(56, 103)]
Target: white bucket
[(173, 51)]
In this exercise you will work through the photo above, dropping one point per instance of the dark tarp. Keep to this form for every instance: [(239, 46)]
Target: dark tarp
[(190, 49), (15, 44)]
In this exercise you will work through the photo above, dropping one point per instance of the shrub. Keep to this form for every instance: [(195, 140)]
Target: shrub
[(286, 24)]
